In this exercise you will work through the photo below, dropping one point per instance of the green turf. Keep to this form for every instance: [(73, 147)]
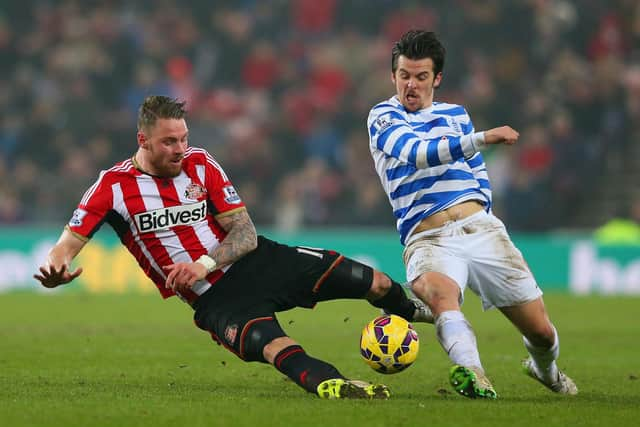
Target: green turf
[(80, 360)]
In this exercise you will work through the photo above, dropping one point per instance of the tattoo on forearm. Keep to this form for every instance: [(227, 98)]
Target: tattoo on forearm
[(240, 240)]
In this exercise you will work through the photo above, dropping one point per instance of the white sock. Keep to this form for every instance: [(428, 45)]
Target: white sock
[(545, 358), (457, 338)]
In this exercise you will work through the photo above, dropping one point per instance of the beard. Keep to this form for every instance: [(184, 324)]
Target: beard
[(166, 168)]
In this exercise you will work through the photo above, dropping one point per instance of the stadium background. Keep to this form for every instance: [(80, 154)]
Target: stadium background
[(279, 91)]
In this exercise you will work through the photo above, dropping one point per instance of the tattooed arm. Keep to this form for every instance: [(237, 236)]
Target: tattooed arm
[(241, 239)]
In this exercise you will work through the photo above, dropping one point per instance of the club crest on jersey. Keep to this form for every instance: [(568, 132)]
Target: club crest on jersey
[(230, 333), (194, 191), (78, 216), (230, 195)]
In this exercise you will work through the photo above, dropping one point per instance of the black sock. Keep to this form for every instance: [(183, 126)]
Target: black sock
[(396, 302), (306, 371)]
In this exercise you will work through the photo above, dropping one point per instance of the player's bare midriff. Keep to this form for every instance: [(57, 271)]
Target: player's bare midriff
[(454, 213)]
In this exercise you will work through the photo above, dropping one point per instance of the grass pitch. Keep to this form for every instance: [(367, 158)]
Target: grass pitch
[(80, 360)]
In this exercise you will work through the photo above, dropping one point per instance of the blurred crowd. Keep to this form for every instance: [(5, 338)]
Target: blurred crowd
[(279, 91)]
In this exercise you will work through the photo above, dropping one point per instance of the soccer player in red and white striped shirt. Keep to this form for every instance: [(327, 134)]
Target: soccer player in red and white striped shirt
[(176, 211)]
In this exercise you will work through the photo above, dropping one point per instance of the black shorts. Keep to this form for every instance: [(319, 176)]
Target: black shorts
[(239, 309)]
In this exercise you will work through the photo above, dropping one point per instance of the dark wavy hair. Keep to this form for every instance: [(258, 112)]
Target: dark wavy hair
[(419, 44)]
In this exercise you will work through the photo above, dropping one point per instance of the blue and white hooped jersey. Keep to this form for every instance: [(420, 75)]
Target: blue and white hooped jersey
[(426, 160)]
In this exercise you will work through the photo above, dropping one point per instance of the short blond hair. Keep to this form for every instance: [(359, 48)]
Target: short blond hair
[(156, 107)]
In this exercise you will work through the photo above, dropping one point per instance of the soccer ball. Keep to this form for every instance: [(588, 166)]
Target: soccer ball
[(389, 344)]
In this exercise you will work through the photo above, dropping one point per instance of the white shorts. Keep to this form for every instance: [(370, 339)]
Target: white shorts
[(477, 251)]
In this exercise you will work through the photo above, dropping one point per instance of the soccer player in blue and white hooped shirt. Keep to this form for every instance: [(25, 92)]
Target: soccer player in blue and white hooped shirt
[(427, 155)]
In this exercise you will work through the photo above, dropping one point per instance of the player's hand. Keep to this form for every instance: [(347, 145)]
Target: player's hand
[(50, 277), (183, 275), (501, 135)]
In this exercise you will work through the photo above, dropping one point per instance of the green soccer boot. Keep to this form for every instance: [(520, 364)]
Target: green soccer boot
[(471, 381), (339, 388)]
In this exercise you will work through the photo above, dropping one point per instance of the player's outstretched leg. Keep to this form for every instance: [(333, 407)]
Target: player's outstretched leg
[(471, 382), (339, 388), (321, 378), (562, 384)]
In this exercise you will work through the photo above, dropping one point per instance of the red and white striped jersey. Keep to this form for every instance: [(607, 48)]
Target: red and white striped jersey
[(162, 221)]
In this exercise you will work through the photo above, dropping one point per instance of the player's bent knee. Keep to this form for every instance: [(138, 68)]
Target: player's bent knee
[(420, 286), (258, 337), (432, 287)]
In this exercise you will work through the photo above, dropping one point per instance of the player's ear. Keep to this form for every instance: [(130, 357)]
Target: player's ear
[(393, 77), (437, 80), (142, 140)]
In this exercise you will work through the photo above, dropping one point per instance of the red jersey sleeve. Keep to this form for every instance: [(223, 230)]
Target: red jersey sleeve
[(222, 194), (92, 209)]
